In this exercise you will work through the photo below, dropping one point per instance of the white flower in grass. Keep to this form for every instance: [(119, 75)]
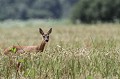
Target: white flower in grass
[(59, 46)]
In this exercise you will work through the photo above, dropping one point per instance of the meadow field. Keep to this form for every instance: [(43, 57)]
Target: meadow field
[(82, 51)]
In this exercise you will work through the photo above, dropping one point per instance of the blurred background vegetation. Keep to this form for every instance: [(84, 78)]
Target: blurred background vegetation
[(86, 11)]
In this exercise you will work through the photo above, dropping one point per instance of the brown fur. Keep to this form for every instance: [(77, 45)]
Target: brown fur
[(23, 49)]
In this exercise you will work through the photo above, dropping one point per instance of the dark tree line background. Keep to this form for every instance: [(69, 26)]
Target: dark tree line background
[(87, 11), (92, 11), (27, 9)]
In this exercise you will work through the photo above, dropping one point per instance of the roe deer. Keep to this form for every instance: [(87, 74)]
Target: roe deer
[(23, 49), (39, 48)]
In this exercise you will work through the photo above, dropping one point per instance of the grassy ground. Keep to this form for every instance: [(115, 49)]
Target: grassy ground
[(73, 52)]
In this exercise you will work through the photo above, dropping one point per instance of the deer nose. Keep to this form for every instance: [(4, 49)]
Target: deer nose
[(46, 40)]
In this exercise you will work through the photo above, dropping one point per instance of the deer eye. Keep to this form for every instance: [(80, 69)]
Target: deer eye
[(43, 36)]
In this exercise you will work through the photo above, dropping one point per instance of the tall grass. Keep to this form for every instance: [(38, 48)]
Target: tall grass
[(75, 52)]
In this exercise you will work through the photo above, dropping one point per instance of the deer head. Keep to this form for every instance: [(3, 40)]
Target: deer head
[(45, 35)]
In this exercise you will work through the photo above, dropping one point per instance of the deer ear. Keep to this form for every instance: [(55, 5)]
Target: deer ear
[(49, 31), (41, 31)]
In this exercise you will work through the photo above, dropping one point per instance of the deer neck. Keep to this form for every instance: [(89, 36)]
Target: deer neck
[(40, 48)]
